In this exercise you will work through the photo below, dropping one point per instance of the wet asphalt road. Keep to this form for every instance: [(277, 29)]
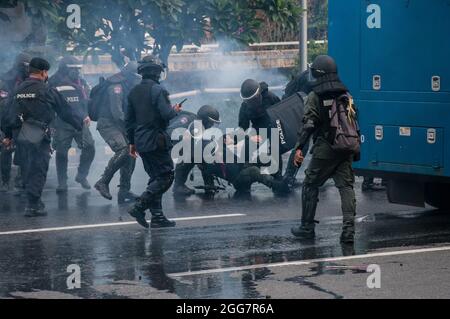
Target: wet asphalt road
[(215, 250)]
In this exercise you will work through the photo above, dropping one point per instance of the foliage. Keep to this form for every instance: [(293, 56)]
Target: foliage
[(121, 27), (314, 49)]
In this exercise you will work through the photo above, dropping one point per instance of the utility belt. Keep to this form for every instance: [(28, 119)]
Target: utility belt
[(33, 132)]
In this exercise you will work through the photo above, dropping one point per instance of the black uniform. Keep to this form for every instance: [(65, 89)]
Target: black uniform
[(257, 116), (185, 120), (243, 176), (36, 101), (9, 82), (147, 118), (5, 154), (76, 95), (326, 162), (111, 126)]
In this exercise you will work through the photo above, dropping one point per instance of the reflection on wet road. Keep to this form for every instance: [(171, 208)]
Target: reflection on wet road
[(216, 247)]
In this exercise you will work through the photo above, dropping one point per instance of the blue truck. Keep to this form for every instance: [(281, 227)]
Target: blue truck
[(394, 55)]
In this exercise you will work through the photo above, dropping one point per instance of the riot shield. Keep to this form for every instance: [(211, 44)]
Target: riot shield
[(287, 117)]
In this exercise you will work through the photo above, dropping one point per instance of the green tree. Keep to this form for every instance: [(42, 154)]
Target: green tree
[(121, 27)]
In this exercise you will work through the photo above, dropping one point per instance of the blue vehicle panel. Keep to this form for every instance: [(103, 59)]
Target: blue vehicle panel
[(394, 55)]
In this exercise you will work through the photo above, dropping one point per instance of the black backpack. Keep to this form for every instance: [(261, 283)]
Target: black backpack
[(98, 98), (343, 119)]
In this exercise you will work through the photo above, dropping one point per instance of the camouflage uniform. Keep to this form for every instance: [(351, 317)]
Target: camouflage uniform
[(326, 163), (111, 127)]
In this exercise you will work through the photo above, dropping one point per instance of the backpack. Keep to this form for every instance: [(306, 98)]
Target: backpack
[(343, 120), (98, 99)]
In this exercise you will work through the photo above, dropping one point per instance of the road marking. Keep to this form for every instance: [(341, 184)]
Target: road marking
[(310, 261), (44, 230)]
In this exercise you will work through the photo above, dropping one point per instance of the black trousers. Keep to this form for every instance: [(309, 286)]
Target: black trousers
[(159, 166), (36, 170), (6, 164)]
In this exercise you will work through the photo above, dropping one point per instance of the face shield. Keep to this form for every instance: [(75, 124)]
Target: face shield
[(314, 74), (210, 122), (255, 100), (74, 71)]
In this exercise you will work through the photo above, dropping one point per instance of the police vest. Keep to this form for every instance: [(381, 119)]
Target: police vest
[(30, 102)]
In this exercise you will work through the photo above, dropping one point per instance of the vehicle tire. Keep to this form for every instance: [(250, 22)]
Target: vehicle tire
[(438, 195)]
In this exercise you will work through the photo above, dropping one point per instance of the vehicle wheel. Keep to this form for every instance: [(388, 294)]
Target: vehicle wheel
[(438, 195)]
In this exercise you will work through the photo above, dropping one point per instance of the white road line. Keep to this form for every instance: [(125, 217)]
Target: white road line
[(44, 230), (310, 261)]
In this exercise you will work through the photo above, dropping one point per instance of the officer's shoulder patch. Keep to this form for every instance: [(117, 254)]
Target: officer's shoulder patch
[(65, 88), (118, 89), (3, 94), (184, 120)]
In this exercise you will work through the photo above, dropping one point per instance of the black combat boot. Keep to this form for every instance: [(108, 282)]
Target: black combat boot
[(138, 212), (125, 196), (114, 164), (103, 188), (83, 182), (278, 186), (158, 218), (160, 221), (182, 190), (35, 208), (309, 204)]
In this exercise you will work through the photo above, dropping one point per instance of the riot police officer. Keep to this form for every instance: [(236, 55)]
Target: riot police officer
[(67, 81), (256, 99), (31, 112), (8, 83), (253, 112), (299, 83), (241, 174), (147, 118), (111, 126), (326, 162), (209, 116)]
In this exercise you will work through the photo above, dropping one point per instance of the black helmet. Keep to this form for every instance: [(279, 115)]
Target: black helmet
[(150, 65), (70, 62), (324, 77), (21, 65), (22, 59), (322, 65), (209, 114), (71, 67), (250, 89)]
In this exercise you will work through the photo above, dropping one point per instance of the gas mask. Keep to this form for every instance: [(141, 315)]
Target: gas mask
[(255, 102), (314, 75), (74, 74)]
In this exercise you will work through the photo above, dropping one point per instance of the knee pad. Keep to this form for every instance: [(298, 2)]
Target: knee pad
[(309, 193)]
